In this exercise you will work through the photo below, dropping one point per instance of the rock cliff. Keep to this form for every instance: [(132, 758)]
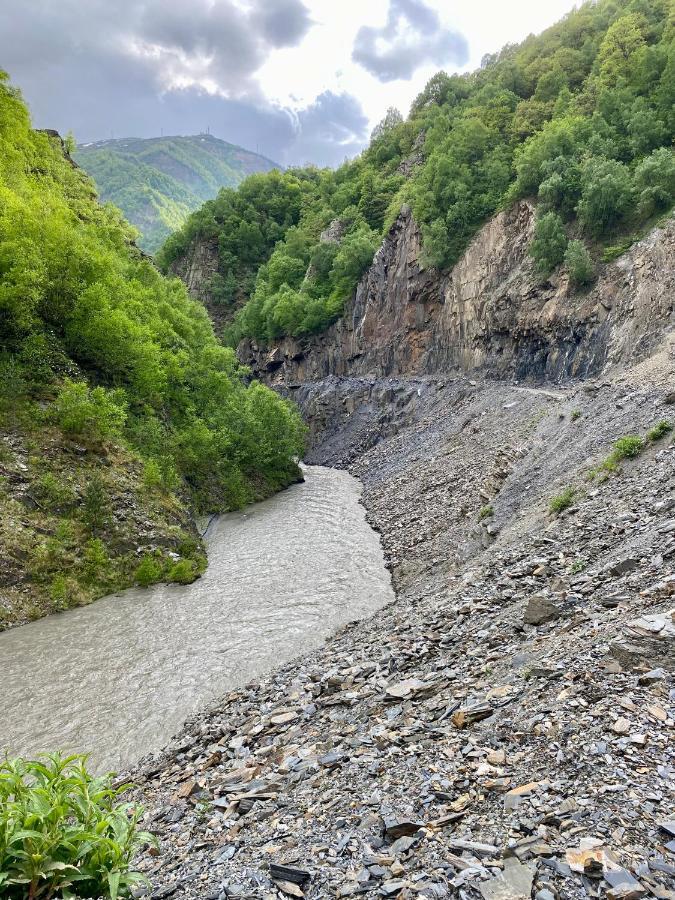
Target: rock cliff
[(490, 313)]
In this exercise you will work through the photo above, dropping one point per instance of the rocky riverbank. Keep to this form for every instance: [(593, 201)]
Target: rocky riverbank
[(504, 729)]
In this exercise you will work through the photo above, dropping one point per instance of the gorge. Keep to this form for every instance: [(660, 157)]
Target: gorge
[(510, 717), (452, 678)]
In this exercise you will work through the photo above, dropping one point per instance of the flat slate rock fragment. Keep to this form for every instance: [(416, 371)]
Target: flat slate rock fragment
[(279, 872), (397, 828), (513, 883)]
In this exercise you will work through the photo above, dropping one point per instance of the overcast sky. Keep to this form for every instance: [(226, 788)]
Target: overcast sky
[(300, 80)]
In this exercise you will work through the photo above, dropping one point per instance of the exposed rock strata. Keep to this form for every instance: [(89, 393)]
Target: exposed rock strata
[(489, 313)]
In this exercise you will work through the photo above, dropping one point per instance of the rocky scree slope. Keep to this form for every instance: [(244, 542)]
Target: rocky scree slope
[(504, 729)]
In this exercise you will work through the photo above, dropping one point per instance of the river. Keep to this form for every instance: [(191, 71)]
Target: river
[(118, 678)]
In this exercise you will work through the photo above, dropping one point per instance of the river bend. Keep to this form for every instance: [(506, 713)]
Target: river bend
[(118, 678)]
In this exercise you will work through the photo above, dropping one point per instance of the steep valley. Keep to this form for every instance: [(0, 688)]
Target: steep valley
[(504, 728)]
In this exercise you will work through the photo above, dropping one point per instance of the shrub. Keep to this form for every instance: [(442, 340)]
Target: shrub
[(562, 501), (60, 593), (549, 242), (96, 505), (579, 263), (575, 414), (94, 414), (63, 833), (485, 513), (96, 562), (149, 571), (51, 492), (628, 447), (660, 430), (182, 572)]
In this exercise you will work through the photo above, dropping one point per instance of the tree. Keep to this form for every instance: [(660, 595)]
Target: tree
[(391, 119), (579, 263), (623, 38), (96, 508), (549, 243), (655, 181), (606, 195), (70, 143)]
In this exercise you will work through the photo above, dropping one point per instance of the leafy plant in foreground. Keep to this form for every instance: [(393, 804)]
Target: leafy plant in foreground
[(63, 832)]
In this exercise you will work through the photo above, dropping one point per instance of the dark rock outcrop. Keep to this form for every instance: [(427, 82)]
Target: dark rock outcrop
[(490, 313)]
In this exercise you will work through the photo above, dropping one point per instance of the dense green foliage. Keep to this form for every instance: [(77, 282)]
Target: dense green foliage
[(579, 118), (579, 263), (96, 341), (157, 182), (63, 832)]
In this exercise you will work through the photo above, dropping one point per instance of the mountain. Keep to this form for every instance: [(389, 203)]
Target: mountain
[(157, 182), (121, 415), (578, 119)]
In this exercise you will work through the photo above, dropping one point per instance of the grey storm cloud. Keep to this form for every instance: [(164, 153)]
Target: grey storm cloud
[(134, 68), (411, 37)]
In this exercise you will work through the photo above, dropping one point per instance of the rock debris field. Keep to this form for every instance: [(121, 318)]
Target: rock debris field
[(504, 729)]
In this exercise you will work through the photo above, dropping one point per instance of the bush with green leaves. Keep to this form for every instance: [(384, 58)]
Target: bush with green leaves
[(549, 243), (149, 571), (579, 263), (628, 447), (183, 571), (96, 507), (95, 561), (52, 492), (91, 414), (61, 591), (160, 473), (64, 833)]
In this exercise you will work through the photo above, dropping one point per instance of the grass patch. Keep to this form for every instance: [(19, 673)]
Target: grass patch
[(575, 414), (562, 501), (486, 512), (660, 430), (629, 447)]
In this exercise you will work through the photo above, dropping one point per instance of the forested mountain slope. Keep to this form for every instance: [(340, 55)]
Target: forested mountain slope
[(157, 182), (120, 413), (579, 119)]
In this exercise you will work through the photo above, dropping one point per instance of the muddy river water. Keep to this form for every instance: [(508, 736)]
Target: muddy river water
[(117, 679)]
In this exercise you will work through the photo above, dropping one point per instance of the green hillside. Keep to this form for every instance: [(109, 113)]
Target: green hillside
[(120, 412), (157, 182), (578, 118)]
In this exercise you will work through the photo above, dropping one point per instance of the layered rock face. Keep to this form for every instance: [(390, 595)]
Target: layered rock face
[(490, 313), (197, 269)]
